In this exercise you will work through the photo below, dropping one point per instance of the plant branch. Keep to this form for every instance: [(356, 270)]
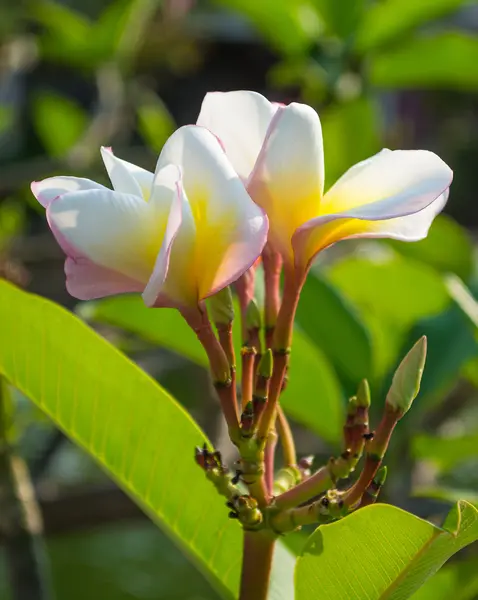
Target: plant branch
[(257, 560)]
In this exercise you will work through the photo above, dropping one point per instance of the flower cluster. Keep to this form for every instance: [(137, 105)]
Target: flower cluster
[(246, 183)]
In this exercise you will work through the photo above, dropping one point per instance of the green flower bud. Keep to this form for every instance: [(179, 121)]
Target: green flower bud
[(363, 394), (265, 364), (253, 316), (221, 307), (406, 381)]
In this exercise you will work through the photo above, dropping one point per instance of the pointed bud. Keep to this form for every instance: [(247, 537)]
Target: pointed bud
[(352, 406), (221, 307), (253, 316), (381, 476), (406, 381), (363, 394), (265, 364)]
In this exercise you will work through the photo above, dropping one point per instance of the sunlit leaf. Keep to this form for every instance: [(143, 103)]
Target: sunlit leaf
[(447, 248), (380, 553), (335, 327), (342, 18), (445, 452), (313, 395), (443, 60), (447, 494), (464, 299), (59, 122), (290, 26), (386, 21), (458, 581), (127, 422)]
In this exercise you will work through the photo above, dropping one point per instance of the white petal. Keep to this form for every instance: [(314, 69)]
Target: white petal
[(117, 231), (324, 231), (47, 190), (86, 280), (390, 184), (240, 120), (125, 177), (288, 178), (230, 229), (174, 282)]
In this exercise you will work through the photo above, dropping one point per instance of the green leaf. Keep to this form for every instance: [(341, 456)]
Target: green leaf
[(59, 122), (445, 452), (291, 26), (380, 553), (463, 298), (155, 123), (334, 326), (313, 396), (443, 60), (388, 20), (127, 422), (356, 120), (310, 371), (342, 17), (447, 494), (458, 581), (451, 344), (448, 248), (391, 294)]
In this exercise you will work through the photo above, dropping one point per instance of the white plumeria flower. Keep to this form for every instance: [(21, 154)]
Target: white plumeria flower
[(177, 236), (278, 152)]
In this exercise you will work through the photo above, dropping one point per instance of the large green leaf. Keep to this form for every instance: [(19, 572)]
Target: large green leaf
[(133, 428), (313, 396), (335, 327), (380, 553), (451, 345), (392, 293), (290, 26), (444, 60), (458, 581), (388, 20), (447, 247), (342, 17), (445, 453)]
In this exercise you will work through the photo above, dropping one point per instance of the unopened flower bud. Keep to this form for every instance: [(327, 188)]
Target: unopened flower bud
[(381, 476), (406, 381), (363, 394), (221, 307), (253, 316), (264, 368)]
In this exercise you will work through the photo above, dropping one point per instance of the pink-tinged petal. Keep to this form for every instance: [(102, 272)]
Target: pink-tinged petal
[(288, 178), (48, 189), (320, 233), (117, 231), (125, 177), (231, 229), (240, 120), (389, 184), (86, 280), (172, 283)]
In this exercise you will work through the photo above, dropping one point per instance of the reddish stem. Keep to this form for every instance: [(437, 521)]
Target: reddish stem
[(376, 449)]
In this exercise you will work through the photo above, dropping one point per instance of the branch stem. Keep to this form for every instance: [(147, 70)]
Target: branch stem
[(256, 565)]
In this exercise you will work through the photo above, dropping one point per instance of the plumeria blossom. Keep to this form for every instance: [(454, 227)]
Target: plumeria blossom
[(178, 235), (278, 152)]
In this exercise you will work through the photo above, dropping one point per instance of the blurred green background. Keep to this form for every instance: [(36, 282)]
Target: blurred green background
[(394, 73)]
